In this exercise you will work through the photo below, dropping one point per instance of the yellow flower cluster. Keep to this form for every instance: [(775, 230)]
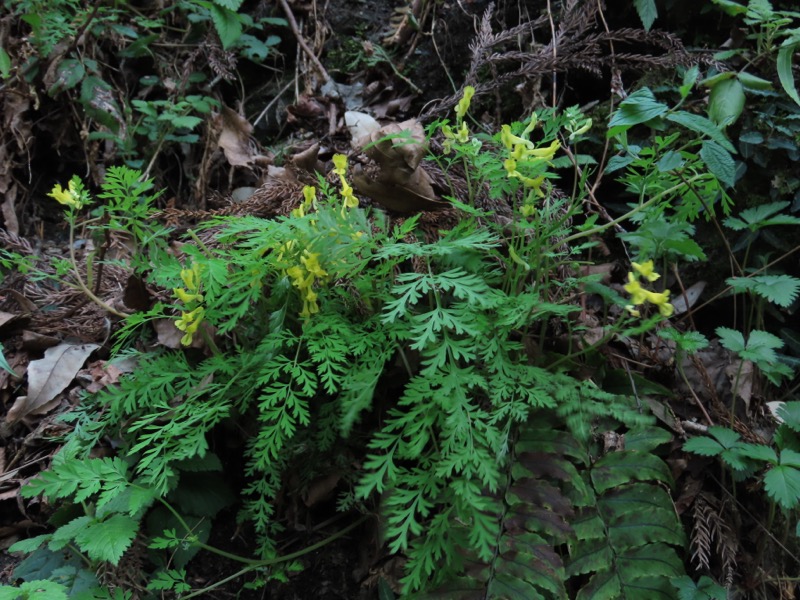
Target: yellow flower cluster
[(73, 196), (640, 295), (520, 149), (303, 277), (190, 295), (309, 202), (461, 134), (340, 168)]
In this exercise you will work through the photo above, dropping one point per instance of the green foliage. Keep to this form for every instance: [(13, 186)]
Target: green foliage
[(781, 481), (704, 589), (326, 334), (156, 113)]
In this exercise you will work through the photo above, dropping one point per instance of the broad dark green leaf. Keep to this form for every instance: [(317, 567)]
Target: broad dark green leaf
[(719, 161), (726, 102)]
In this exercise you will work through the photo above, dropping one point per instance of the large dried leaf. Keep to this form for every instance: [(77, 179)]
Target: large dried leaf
[(234, 138), (48, 377), (396, 180)]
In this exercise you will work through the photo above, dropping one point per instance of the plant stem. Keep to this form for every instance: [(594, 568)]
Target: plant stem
[(627, 215), (257, 564)]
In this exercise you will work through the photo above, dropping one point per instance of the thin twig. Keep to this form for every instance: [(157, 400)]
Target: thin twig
[(302, 42)]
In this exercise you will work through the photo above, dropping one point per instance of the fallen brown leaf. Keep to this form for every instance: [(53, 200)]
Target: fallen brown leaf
[(48, 377)]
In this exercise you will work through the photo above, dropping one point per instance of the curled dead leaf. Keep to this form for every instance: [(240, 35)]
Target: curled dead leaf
[(396, 179)]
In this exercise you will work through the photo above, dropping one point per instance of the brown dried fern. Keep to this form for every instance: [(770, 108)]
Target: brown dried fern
[(575, 45)]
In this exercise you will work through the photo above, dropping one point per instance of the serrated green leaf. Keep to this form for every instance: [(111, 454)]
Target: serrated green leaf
[(761, 346), (228, 25), (67, 532), (107, 540), (726, 102), (702, 125), (759, 452), (184, 121), (233, 5), (719, 161), (647, 12), (790, 413), (704, 446), (30, 544), (704, 589), (778, 289), (731, 339), (782, 484), (790, 458), (37, 590)]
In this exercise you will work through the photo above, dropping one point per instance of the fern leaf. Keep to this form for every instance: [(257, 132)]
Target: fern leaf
[(618, 468)]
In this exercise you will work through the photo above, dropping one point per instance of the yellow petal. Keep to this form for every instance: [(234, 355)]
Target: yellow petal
[(463, 105), (340, 164)]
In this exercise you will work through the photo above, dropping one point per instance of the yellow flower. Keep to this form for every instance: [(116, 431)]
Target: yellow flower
[(646, 270), (463, 105), (509, 139), (462, 136), (310, 194), (571, 127), (510, 166), (186, 297), (339, 164), (310, 261), (191, 277), (632, 309), (546, 153), (70, 197), (635, 289), (189, 323), (640, 295), (350, 201), (662, 301)]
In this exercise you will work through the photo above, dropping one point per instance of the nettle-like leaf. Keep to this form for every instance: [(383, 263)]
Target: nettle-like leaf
[(107, 539), (790, 413), (778, 289), (719, 162), (725, 443), (760, 347), (760, 216), (704, 589), (782, 482)]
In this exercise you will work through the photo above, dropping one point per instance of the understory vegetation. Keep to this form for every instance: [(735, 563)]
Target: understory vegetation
[(519, 342)]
